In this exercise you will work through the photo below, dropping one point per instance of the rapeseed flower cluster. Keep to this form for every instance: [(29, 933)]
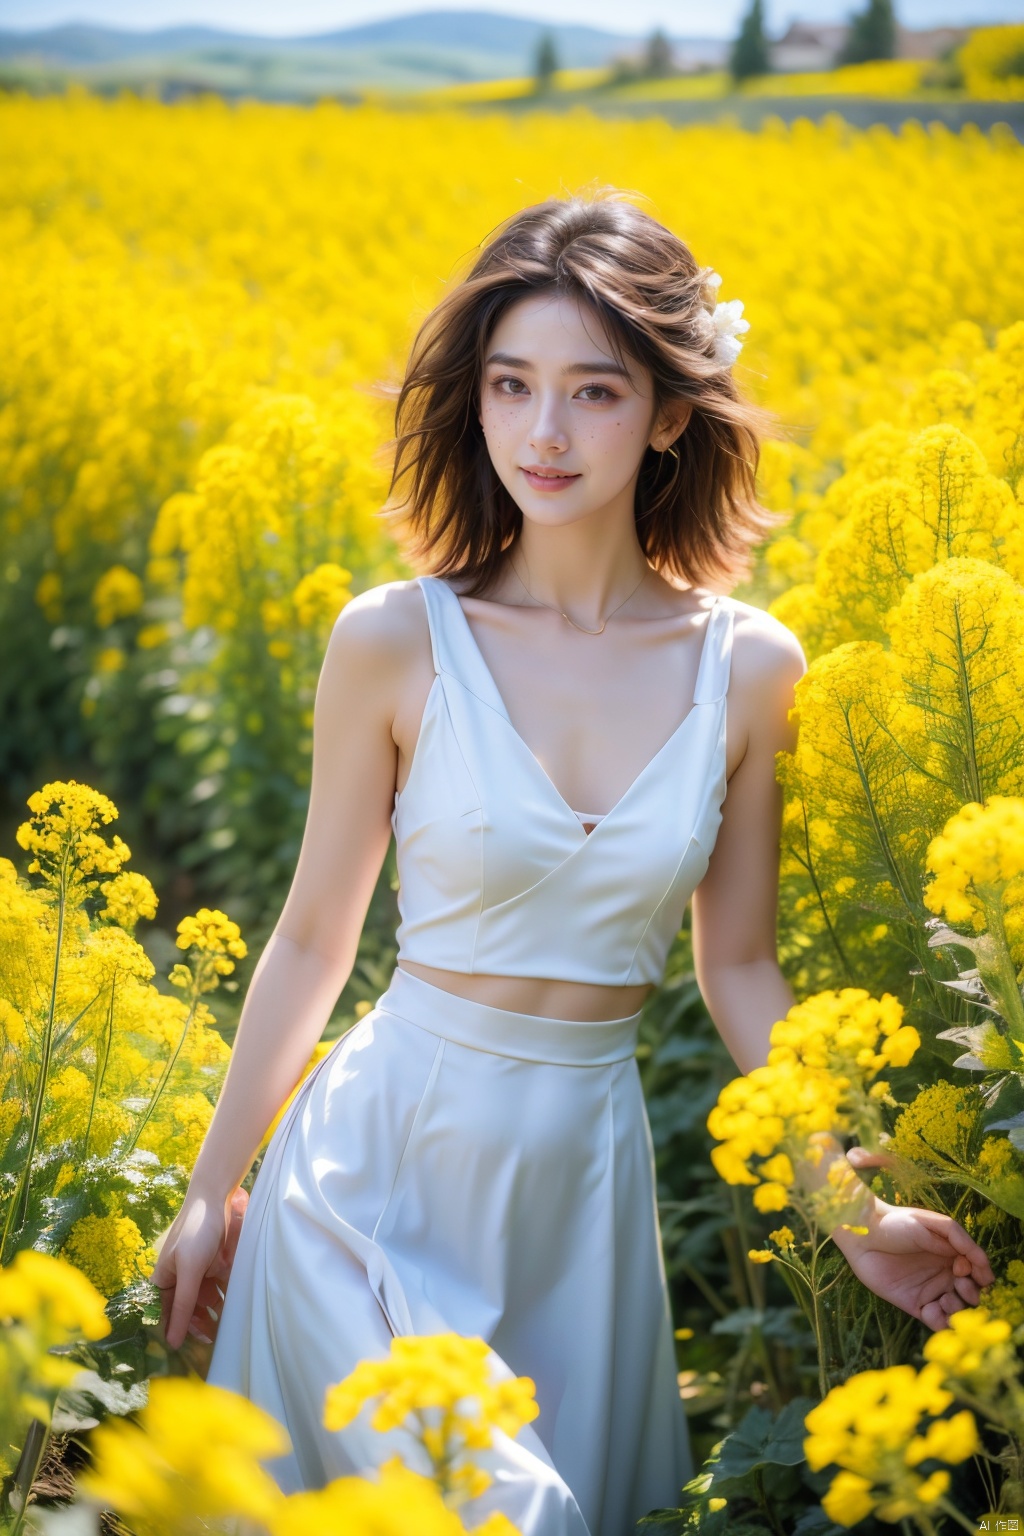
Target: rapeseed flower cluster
[(1005, 1299), (194, 1456), (214, 942), (914, 621), (107, 1085), (109, 1250), (821, 1075), (393, 1504), (64, 839), (977, 868), (445, 1384), (878, 1428), (990, 61), (43, 1302), (976, 1350), (196, 1453)]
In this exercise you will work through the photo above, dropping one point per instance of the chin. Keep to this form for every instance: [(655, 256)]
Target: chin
[(547, 516)]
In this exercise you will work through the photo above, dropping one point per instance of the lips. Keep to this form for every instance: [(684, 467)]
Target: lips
[(541, 475)]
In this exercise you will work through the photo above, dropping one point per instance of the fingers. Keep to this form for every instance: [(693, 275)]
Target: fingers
[(953, 1233), (966, 1288), (163, 1277), (936, 1313), (185, 1293), (860, 1157)]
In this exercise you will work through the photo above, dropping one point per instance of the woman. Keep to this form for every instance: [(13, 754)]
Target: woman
[(569, 734)]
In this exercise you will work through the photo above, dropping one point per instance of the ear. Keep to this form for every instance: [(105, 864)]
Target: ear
[(672, 421)]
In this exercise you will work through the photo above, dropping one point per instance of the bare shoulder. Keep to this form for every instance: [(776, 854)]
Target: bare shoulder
[(765, 653), (381, 632)]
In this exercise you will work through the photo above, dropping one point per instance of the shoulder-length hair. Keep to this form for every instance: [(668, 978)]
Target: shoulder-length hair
[(697, 515)]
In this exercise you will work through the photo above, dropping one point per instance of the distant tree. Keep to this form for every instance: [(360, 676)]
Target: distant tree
[(749, 55), (545, 62), (872, 34), (658, 61)]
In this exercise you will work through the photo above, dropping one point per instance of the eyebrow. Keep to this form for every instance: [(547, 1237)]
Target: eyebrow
[(604, 366)]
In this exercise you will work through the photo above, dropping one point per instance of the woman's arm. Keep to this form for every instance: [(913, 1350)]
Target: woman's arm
[(310, 953), (922, 1261), (735, 905)]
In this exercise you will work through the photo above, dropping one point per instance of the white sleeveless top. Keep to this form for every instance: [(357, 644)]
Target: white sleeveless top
[(496, 872)]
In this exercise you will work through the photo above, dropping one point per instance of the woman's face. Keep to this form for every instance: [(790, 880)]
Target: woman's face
[(565, 426)]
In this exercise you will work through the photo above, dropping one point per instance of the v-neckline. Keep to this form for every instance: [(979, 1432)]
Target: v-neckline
[(502, 710)]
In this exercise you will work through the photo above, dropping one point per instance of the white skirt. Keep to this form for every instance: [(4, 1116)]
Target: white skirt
[(452, 1167)]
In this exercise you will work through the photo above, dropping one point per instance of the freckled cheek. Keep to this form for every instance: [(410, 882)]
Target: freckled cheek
[(499, 428), (612, 438)]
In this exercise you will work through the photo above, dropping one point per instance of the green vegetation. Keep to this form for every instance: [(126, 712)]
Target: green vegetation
[(545, 63), (750, 51), (872, 34)]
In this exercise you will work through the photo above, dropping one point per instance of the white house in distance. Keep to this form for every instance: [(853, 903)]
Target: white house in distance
[(808, 45)]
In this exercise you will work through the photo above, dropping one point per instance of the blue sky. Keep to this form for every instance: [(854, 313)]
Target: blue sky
[(698, 17)]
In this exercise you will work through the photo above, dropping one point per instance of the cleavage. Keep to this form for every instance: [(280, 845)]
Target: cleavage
[(567, 745)]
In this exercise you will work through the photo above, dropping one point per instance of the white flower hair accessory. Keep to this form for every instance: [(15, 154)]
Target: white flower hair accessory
[(727, 324)]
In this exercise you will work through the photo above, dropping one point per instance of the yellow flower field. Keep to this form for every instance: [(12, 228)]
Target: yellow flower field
[(200, 305)]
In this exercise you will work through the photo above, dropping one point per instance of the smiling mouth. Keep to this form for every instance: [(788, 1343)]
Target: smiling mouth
[(551, 474)]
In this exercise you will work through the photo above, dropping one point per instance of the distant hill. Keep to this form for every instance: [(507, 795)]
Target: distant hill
[(419, 50)]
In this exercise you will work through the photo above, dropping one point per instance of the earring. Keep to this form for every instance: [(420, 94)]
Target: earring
[(673, 450)]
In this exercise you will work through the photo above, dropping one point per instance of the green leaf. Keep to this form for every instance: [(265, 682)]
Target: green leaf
[(760, 1440), (815, 1522)]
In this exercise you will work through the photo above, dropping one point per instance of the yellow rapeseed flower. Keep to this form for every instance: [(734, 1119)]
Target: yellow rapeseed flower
[(977, 868), (321, 595), (1005, 1299), (875, 1429), (193, 1456), (110, 1250), (440, 1387), (63, 838), (129, 897), (396, 1503), (118, 594), (52, 1297), (975, 1345), (44, 1302), (817, 1078), (212, 939)]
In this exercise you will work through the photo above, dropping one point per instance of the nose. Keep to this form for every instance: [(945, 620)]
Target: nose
[(548, 429)]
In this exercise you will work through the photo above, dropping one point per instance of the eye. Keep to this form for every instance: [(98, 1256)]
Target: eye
[(517, 387), (597, 393)]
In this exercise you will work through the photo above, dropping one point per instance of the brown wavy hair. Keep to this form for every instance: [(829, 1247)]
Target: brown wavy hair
[(697, 514)]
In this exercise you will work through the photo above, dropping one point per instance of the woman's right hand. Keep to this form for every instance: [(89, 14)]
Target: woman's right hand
[(195, 1258)]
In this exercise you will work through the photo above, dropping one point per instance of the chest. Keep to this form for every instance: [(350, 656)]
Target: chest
[(591, 718)]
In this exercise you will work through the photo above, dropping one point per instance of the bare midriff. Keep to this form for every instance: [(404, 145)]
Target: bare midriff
[(580, 1001)]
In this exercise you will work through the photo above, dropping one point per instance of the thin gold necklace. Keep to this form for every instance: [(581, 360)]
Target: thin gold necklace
[(562, 611)]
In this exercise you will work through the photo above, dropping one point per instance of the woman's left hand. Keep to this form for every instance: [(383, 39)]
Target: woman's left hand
[(922, 1261)]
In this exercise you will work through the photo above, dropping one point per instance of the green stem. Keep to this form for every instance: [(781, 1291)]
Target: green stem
[(101, 1067), (954, 1514), (754, 1282), (161, 1085), (767, 1505), (812, 876), (1000, 974), (20, 1203), (710, 1295), (967, 713), (818, 1322), (27, 1470), (881, 837)]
